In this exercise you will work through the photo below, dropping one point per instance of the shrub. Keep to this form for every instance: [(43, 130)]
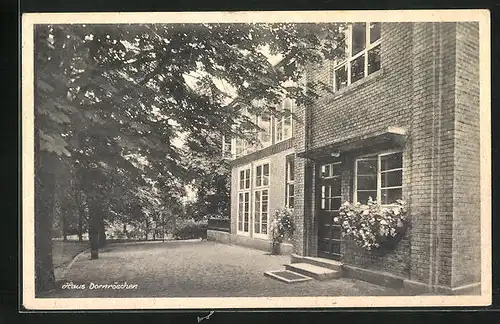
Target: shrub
[(190, 229), (371, 225), (282, 225)]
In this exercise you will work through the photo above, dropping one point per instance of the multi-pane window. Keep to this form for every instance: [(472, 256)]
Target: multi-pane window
[(244, 200), (240, 147), (362, 54), (264, 135), (379, 177), (226, 147), (284, 123), (261, 199), (331, 194), (289, 181)]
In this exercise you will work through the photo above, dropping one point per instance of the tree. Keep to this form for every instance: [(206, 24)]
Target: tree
[(108, 94)]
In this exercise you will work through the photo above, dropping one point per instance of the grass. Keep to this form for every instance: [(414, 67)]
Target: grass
[(64, 252)]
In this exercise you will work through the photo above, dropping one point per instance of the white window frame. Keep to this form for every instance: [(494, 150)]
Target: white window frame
[(330, 176), (379, 177), (347, 61), (260, 189), (227, 147), (289, 171), (281, 121), (269, 131), (243, 191)]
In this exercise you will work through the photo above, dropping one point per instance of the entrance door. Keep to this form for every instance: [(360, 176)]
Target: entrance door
[(328, 202)]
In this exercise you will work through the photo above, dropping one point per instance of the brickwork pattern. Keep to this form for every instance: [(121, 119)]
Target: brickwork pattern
[(466, 202), (428, 84)]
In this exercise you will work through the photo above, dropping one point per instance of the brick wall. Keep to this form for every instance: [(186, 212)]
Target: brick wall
[(428, 85), (466, 202), (382, 99)]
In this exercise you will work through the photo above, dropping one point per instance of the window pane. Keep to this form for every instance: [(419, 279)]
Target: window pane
[(374, 60), (363, 196), (291, 202), (264, 223), (327, 204), (358, 37), (328, 191), (336, 186), (367, 182), (291, 166), (391, 161), (279, 130), (392, 178), (358, 68), (287, 128), (335, 203), (325, 171), (374, 32), (259, 171), (390, 196), (336, 169), (368, 166), (287, 104), (340, 76), (266, 169)]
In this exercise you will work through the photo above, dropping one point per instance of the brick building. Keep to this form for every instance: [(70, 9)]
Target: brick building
[(402, 121)]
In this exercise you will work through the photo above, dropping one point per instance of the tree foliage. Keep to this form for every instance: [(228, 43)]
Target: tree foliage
[(112, 101)]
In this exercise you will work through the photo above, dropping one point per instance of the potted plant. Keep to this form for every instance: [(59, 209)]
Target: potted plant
[(281, 227), (371, 225)]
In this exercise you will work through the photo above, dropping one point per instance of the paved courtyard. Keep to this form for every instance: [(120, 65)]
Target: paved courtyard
[(196, 269)]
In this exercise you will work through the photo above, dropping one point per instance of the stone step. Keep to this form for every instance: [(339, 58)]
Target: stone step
[(320, 262), (313, 271)]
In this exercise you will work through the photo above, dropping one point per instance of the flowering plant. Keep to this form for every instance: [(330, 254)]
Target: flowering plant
[(371, 224), (282, 225)]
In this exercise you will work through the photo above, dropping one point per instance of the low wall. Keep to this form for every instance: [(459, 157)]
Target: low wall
[(217, 224), (251, 242)]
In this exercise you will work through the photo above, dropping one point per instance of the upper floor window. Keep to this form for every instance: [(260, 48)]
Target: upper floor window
[(362, 54), (227, 147), (379, 177), (283, 124), (264, 135)]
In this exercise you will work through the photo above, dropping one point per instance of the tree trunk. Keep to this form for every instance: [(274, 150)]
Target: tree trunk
[(81, 215), (102, 232), (64, 224), (125, 230), (44, 207), (94, 224)]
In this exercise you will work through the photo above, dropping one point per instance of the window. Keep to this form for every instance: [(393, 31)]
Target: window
[(362, 55), (244, 200), (289, 181), (261, 199), (226, 147), (283, 124), (331, 190), (380, 177), (264, 136)]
